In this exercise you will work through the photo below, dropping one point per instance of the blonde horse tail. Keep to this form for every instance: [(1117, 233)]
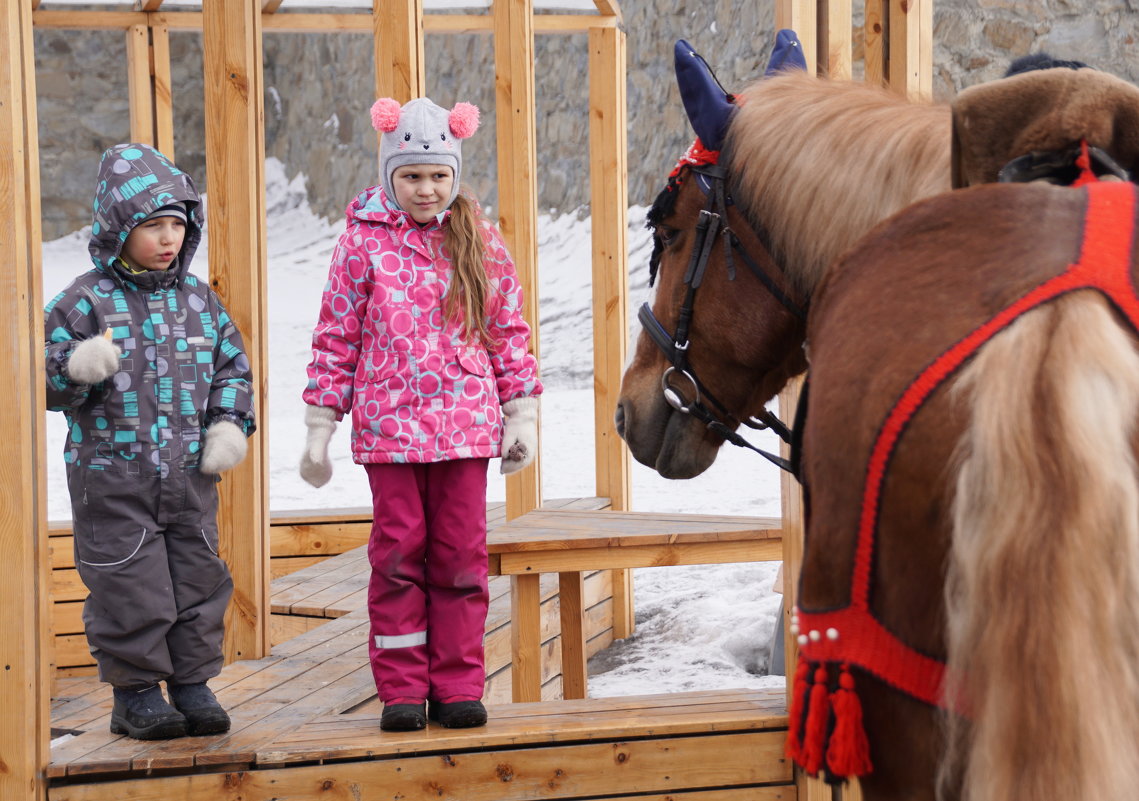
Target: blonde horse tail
[(1043, 590)]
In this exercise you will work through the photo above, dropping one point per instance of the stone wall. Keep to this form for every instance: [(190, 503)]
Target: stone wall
[(318, 89)]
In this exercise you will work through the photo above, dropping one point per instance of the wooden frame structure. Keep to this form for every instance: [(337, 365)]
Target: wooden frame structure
[(898, 47)]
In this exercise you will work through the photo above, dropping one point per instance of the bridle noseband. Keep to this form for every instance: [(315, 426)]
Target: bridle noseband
[(712, 222)]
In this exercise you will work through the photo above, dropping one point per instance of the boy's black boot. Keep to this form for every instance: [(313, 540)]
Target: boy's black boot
[(457, 714), (145, 715), (204, 714), (403, 717)]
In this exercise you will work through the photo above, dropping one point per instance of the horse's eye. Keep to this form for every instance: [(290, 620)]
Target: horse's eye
[(666, 235)]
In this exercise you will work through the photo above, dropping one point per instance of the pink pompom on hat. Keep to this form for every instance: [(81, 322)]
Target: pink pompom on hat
[(421, 132)]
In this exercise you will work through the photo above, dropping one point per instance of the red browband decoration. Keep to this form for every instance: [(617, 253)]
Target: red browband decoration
[(830, 642), (696, 154)]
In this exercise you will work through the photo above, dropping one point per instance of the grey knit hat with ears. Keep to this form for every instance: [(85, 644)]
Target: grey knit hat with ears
[(421, 132)]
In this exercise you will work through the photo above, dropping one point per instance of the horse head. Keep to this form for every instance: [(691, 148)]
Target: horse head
[(781, 179), (721, 336)]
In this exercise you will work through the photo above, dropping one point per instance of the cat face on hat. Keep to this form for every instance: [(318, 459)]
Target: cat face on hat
[(420, 132)]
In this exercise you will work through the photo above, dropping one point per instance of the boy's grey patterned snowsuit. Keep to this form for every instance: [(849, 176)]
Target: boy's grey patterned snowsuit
[(144, 515)]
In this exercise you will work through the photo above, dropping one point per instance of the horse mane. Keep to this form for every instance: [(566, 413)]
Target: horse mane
[(816, 163)]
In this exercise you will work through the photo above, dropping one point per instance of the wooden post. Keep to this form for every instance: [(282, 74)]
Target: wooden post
[(800, 16), (518, 189), (835, 21), (609, 202), (148, 87), (398, 27), (160, 86), (139, 90), (874, 42), (235, 146), (25, 636), (910, 29)]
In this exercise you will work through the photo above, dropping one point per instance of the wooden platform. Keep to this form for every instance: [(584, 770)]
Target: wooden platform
[(721, 746), (304, 727), (306, 718)]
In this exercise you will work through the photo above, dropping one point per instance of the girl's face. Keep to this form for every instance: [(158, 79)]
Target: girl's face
[(422, 190), (153, 244)]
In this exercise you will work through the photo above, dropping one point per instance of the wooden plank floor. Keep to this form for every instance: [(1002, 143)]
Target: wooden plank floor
[(702, 746), (323, 670)]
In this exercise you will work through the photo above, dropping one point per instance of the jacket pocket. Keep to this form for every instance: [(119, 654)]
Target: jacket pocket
[(475, 402), (380, 365)]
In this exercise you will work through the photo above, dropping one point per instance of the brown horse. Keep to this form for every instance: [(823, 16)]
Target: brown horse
[(820, 163), (969, 450)]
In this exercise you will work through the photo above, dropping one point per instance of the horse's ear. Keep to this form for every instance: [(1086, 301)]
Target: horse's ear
[(786, 55), (708, 106)]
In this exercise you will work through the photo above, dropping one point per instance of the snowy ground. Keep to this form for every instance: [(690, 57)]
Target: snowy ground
[(702, 627)]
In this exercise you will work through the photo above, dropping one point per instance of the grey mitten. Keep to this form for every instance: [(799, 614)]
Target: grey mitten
[(519, 433), (224, 447), (94, 360), (316, 467)]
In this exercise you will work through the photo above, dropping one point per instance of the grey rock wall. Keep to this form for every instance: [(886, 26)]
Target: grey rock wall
[(318, 89)]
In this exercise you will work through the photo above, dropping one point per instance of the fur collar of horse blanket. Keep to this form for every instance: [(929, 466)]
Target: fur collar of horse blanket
[(1042, 111)]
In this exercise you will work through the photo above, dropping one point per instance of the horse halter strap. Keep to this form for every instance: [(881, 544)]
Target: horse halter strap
[(852, 635), (713, 216)]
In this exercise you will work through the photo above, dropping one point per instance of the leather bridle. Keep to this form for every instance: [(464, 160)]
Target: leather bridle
[(712, 223)]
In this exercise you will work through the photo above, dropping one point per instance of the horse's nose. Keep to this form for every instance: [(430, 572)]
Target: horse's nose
[(619, 420)]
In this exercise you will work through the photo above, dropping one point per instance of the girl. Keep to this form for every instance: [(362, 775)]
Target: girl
[(421, 337)]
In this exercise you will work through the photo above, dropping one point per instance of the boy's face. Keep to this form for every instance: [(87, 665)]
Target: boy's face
[(153, 244), (422, 190)]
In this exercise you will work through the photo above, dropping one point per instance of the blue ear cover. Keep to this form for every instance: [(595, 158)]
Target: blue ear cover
[(786, 55), (708, 106)]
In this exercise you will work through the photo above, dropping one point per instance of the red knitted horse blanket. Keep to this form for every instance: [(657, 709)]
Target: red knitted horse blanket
[(825, 724)]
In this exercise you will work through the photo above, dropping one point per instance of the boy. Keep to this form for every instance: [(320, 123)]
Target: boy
[(153, 378)]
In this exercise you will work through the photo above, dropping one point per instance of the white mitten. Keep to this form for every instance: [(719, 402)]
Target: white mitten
[(224, 447), (316, 467), (94, 360), (519, 434)]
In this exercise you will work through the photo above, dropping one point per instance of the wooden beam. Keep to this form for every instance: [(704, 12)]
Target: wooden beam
[(25, 637), (836, 20), (270, 6), (400, 71), (89, 20), (235, 167), (139, 90), (609, 8), (910, 30), (518, 189), (800, 16), (160, 86), (609, 203), (874, 42), (149, 5), (315, 22)]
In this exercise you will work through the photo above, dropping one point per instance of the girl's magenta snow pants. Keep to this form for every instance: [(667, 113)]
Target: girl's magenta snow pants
[(427, 597)]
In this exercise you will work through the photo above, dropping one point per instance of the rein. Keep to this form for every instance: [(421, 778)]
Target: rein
[(712, 221)]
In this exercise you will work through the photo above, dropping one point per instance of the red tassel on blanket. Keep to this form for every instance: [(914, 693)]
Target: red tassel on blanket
[(799, 690), (1084, 162), (815, 738), (849, 751)]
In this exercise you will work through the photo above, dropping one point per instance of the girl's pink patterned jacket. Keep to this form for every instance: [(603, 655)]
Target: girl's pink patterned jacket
[(417, 391)]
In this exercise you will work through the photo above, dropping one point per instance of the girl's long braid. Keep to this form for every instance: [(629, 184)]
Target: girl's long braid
[(466, 297)]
